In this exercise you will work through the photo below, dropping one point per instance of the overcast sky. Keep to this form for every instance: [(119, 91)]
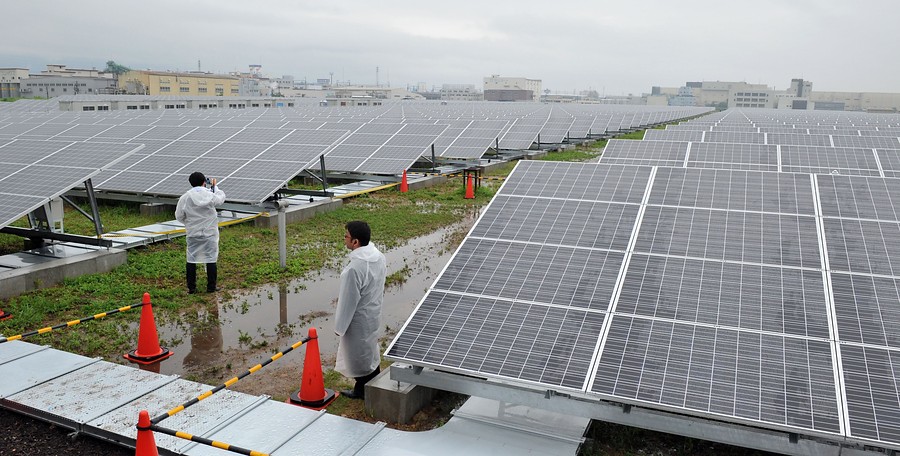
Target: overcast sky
[(614, 47)]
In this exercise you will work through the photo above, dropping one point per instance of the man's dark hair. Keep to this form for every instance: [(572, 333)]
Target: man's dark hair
[(360, 231), (197, 179)]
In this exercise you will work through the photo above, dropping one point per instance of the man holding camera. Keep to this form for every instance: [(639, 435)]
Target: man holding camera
[(196, 209)]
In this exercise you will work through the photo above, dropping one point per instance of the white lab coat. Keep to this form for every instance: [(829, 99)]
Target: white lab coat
[(358, 316), (196, 209)]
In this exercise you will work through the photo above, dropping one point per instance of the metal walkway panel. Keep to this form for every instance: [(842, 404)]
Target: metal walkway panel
[(264, 428), (550, 425), (199, 419), (319, 438), (23, 259), (85, 394), (16, 349), (485, 426), (164, 228), (64, 250), (126, 239), (141, 235), (36, 368)]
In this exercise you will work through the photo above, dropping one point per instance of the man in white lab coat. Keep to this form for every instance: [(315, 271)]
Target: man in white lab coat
[(196, 209), (358, 315)]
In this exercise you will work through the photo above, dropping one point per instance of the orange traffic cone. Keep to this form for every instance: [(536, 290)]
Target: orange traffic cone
[(404, 186), (148, 349), (470, 190), (146, 444), (313, 394), (4, 315)]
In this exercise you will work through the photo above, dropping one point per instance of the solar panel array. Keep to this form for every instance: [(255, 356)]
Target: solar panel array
[(250, 164), (383, 148), (37, 171), (254, 152), (763, 298), (469, 139)]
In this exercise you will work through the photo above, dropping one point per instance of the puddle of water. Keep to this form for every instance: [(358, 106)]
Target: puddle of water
[(252, 327)]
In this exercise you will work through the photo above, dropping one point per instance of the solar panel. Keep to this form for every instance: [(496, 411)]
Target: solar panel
[(474, 140), (734, 137), (770, 299), (750, 157), (164, 133), (12, 130), (249, 190), (798, 139), (652, 153), (122, 132), (489, 274), (853, 197), (673, 135), (889, 159), (237, 150), (522, 133), (45, 131), (581, 127), (556, 130), (388, 148), (33, 179), (130, 181), (869, 142), (755, 377), (81, 132), (262, 135), (211, 134), (826, 160)]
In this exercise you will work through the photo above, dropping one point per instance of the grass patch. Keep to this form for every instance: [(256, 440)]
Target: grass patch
[(398, 277), (248, 258), (579, 153), (571, 155), (633, 135)]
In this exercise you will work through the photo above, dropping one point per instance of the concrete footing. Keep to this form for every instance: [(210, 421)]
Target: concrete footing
[(20, 280), (431, 181), (535, 154), (148, 209), (395, 402), (298, 213)]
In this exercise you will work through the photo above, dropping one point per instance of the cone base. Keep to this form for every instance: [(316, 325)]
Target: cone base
[(330, 396), (135, 358), (5, 315)]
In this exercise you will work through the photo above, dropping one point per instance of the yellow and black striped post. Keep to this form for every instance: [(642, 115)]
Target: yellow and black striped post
[(228, 383), (69, 323), (212, 443)]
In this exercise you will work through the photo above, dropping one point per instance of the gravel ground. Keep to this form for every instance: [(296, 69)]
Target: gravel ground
[(21, 435)]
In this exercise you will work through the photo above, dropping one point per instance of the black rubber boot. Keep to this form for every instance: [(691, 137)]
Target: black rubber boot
[(212, 273), (191, 278)]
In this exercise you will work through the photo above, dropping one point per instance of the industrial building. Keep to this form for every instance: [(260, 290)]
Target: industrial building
[(799, 95), (55, 81), (497, 88), (460, 92), (154, 83)]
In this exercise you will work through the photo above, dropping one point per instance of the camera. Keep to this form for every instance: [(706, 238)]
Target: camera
[(208, 182)]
